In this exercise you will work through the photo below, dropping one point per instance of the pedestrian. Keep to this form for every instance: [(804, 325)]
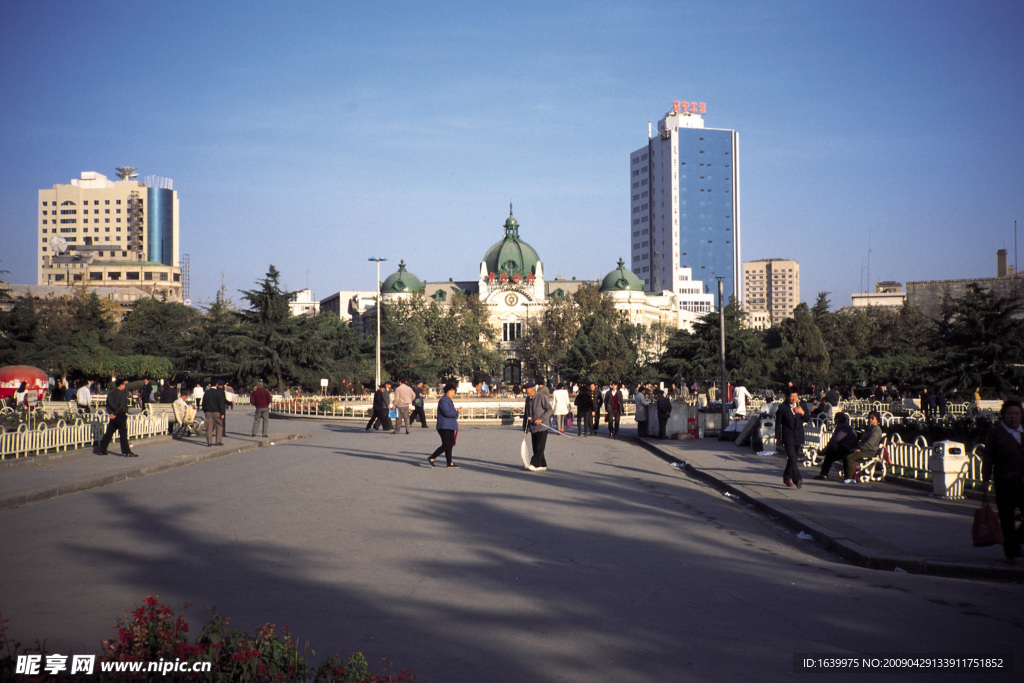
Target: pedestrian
[(418, 414), (447, 425), (791, 417), (379, 419), (536, 414), (83, 397), (940, 401), (1003, 461), (614, 404), (840, 447), (664, 411), (145, 393), (214, 407), (585, 411), (641, 411), (197, 395), (597, 401), (59, 391), (117, 408), (740, 396), (404, 396), (870, 442), (260, 400), (560, 404)]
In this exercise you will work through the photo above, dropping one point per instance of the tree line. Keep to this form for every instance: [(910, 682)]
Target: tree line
[(977, 341)]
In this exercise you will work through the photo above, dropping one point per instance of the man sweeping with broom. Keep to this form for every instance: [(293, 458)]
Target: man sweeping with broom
[(536, 417)]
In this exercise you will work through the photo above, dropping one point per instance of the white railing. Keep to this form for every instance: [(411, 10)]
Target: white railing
[(471, 410), (44, 438), (908, 460)]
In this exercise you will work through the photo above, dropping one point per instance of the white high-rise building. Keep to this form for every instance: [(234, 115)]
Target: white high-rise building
[(685, 206)]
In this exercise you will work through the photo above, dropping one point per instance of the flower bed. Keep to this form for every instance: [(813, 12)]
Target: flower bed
[(154, 633)]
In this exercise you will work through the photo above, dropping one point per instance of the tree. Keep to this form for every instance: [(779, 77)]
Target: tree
[(981, 341), (546, 341), (801, 354), (599, 353), (696, 355), (272, 346), (158, 328), (216, 343)]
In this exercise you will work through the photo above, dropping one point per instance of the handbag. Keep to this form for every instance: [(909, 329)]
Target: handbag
[(568, 420), (392, 413), (986, 530)]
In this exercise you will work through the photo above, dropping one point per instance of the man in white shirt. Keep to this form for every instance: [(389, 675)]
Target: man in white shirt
[(83, 397), (741, 396)]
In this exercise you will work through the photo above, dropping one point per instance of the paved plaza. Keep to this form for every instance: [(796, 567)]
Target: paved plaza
[(611, 566)]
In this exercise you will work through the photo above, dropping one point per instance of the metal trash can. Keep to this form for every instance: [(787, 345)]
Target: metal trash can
[(948, 465)]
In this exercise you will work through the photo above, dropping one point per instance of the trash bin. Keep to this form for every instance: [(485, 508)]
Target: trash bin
[(948, 465), (767, 429)]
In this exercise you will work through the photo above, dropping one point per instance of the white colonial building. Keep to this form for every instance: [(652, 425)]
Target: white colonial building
[(512, 285)]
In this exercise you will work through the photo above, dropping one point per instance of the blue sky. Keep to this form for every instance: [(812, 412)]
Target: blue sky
[(313, 135)]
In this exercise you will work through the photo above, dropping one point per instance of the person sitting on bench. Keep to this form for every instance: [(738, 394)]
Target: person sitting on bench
[(842, 446)]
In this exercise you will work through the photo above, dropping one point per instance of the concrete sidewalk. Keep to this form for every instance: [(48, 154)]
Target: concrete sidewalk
[(35, 478), (882, 525)]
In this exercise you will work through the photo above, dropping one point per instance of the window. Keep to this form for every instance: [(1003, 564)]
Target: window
[(95, 276), (131, 276), (114, 275), (149, 276), (511, 331)]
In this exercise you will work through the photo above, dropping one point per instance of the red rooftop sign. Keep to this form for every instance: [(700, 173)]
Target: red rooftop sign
[(689, 107)]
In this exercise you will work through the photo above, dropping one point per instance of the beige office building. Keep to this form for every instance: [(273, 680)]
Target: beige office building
[(770, 286), (96, 232)]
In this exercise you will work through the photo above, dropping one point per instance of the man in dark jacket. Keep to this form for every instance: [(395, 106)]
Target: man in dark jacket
[(597, 401), (840, 447), (664, 410), (215, 404), (585, 411), (380, 409), (790, 419), (613, 408), (117, 408)]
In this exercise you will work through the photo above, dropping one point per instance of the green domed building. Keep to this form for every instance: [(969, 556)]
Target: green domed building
[(402, 282), (621, 280), (511, 256)]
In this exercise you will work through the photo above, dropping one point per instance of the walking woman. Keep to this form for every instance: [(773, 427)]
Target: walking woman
[(1003, 462), (447, 424)]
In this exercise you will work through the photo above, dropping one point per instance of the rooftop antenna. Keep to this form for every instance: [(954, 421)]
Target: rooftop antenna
[(869, 259)]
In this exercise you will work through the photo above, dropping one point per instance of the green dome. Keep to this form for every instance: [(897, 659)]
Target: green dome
[(511, 255), (402, 282), (621, 280)]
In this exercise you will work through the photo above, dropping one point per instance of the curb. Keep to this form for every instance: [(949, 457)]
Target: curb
[(86, 483), (853, 552)]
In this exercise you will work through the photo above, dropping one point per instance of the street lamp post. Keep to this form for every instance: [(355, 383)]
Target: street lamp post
[(378, 260), (721, 349)]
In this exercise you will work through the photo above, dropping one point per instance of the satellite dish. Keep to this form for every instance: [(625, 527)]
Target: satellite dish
[(58, 244)]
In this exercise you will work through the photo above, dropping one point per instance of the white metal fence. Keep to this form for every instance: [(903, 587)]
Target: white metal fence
[(44, 438), (908, 460)]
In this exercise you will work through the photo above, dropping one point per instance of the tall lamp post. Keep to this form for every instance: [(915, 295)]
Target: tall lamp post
[(721, 348), (378, 260)]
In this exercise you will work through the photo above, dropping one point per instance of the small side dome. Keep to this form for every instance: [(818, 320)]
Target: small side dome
[(621, 280), (402, 282)]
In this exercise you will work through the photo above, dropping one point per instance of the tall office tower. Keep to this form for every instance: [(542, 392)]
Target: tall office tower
[(771, 286), (685, 191), (97, 232)]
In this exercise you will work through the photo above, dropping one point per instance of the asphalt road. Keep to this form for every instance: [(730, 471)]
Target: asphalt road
[(611, 566)]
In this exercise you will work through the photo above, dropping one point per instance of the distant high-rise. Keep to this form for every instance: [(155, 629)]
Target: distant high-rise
[(771, 286), (97, 232), (684, 185)]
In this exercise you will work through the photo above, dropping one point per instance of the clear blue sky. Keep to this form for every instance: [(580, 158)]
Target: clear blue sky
[(313, 135)]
